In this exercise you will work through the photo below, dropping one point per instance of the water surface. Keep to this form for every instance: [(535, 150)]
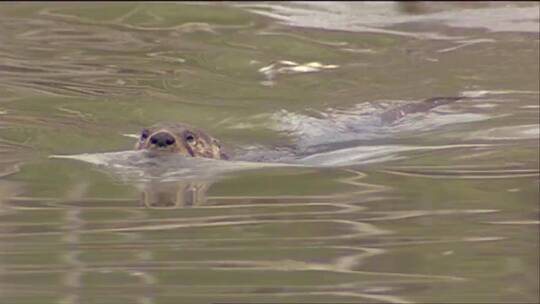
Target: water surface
[(440, 206)]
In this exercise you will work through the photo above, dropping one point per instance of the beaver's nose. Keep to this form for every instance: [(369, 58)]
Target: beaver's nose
[(162, 139)]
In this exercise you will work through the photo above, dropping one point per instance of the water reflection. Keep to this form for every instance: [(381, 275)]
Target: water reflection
[(174, 194), (151, 249)]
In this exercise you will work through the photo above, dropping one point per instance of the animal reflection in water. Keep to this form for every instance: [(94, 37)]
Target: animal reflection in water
[(174, 194)]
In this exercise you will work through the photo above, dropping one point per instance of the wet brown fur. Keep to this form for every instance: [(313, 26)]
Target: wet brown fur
[(202, 145)]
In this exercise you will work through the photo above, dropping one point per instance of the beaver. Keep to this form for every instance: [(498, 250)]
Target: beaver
[(181, 138), (174, 137)]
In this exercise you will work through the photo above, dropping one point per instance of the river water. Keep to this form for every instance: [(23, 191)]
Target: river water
[(438, 206)]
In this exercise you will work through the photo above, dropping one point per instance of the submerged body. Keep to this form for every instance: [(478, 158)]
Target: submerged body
[(183, 139)]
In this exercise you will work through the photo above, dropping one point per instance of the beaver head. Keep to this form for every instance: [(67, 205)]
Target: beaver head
[(180, 138)]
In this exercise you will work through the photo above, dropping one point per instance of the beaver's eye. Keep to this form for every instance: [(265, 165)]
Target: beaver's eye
[(144, 135), (189, 138)]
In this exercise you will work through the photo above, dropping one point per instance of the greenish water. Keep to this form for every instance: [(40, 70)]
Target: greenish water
[(438, 207)]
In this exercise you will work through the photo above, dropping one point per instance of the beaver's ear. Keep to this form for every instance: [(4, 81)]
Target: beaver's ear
[(216, 149)]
